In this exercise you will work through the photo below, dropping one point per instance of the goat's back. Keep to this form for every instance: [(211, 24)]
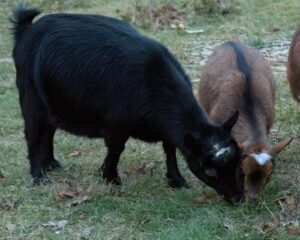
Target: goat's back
[(237, 77), (88, 70), (293, 66)]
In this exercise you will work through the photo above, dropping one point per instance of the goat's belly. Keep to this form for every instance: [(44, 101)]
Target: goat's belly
[(82, 128), (76, 120), (146, 134)]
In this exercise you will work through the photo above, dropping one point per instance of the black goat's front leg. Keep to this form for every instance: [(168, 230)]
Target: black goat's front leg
[(174, 177), (109, 168), (49, 163)]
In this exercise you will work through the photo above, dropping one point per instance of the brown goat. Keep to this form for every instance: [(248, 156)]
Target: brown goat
[(237, 77), (293, 66)]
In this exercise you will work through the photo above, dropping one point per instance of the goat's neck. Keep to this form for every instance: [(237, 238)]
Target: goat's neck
[(247, 133), (192, 121)]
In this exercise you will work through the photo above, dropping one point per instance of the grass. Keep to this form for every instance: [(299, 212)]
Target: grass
[(144, 207)]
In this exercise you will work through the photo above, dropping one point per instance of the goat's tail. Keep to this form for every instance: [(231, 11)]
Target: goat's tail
[(22, 17)]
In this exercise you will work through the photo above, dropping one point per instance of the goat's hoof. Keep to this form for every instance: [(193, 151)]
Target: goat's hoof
[(177, 183), (113, 180), (44, 180), (110, 177), (52, 165)]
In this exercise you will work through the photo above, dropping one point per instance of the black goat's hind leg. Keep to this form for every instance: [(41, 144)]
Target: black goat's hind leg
[(37, 139), (173, 175)]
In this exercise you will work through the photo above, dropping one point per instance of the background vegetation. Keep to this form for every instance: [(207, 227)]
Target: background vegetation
[(79, 206)]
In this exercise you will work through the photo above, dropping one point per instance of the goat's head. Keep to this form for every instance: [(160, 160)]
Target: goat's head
[(215, 158), (256, 166)]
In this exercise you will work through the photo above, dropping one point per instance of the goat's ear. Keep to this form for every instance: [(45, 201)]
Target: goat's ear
[(241, 146), (280, 146), (191, 143), (228, 125)]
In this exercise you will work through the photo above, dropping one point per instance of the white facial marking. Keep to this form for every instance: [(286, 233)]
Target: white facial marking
[(261, 158), (222, 151), (217, 147)]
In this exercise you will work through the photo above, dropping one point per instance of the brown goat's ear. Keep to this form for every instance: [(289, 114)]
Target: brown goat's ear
[(280, 146), (228, 125), (241, 146)]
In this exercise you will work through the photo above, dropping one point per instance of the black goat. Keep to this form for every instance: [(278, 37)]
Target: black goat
[(97, 76)]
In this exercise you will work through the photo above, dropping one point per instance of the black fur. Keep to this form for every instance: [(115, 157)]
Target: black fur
[(98, 77), (247, 103), (22, 17)]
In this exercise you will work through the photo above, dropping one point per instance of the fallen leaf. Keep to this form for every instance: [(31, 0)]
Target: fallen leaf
[(200, 200), (74, 154), (89, 190), (49, 224), (295, 223), (146, 168), (84, 233), (275, 29), (292, 231), (72, 182), (288, 203), (207, 198), (68, 194), (196, 30), (126, 14), (58, 225), (271, 225), (228, 224), (168, 14), (10, 227), (142, 221), (62, 223), (181, 25), (79, 200), (178, 25), (63, 195), (7, 206)]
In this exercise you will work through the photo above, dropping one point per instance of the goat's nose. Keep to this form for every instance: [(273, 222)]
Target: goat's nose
[(235, 199)]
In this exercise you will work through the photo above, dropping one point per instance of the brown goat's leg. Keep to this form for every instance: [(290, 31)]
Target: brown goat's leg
[(174, 177)]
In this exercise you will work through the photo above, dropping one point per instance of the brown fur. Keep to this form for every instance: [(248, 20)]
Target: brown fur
[(293, 66), (221, 93), (256, 176)]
